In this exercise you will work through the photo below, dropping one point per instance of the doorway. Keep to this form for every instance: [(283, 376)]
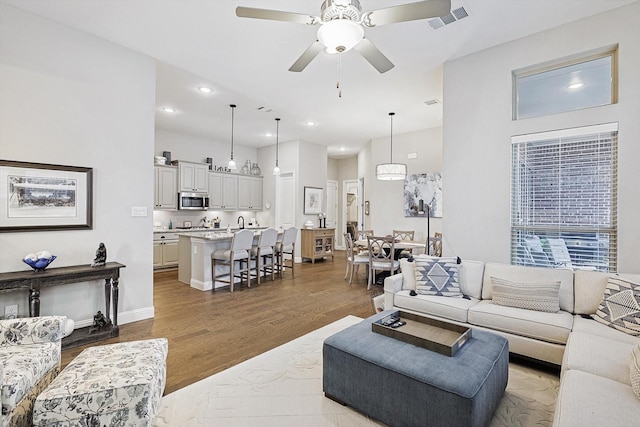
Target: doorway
[(351, 206)]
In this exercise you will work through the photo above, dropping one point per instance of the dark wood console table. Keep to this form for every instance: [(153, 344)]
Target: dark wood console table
[(33, 281)]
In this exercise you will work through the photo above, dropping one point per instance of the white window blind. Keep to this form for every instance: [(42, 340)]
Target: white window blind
[(564, 198)]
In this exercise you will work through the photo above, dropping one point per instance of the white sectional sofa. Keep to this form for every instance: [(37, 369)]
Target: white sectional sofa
[(595, 385)]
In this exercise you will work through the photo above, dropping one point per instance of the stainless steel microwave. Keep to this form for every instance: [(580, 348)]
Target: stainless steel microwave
[(193, 201)]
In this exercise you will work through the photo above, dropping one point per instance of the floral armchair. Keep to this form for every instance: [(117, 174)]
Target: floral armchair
[(29, 360)]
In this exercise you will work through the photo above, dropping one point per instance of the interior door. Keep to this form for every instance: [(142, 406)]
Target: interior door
[(332, 204), (285, 204)]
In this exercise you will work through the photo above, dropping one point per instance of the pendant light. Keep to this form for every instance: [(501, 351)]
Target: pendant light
[(276, 170), (391, 171), (232, 163)]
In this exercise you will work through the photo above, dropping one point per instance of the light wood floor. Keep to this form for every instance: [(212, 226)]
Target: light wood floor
[(211, 331)]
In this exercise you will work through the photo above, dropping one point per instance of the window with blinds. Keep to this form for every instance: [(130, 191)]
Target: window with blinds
[(564, 198)]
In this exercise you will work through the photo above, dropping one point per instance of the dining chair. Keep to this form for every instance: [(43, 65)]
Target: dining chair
[(263, 254), (381, 257), (353, 259), (434, 245), (404, 235), (286, 247), (241, 243), (362, 235)]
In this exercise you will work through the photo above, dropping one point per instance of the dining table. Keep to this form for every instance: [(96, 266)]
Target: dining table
[(399, 245)]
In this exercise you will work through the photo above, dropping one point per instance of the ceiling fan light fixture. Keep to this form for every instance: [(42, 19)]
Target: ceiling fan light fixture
[(391, 171), (340, 35)]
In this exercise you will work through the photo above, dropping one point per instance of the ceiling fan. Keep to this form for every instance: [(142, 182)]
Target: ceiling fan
[(342, 25)]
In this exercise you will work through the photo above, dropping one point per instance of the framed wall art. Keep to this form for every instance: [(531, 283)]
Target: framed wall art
[(422, 194), (312, 200), (44, 197)]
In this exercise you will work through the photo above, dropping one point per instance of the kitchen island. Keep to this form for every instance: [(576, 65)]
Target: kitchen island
[(194, 256)]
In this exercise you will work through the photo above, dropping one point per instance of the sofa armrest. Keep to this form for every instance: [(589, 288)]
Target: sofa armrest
[(32, 330), (393, 283)]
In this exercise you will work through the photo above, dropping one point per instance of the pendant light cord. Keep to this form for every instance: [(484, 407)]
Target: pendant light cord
[(233, 108), (391, 153), (277, 139)]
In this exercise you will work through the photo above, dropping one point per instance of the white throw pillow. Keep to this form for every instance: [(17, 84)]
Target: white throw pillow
[(530, 296), (408, 269), (634, 368)]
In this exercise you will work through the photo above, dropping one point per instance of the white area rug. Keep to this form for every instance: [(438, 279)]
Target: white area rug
[(283, 387)]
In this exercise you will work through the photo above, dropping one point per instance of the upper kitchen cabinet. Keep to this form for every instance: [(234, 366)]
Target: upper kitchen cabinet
[(166, 187), (223, 191), (249, 193), (194, 177)]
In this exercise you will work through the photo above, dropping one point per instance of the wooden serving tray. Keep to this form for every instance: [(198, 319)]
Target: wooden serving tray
[(435, 335)]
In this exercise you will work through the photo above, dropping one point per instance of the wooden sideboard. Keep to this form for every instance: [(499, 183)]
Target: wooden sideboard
[(317, 243), (33, 281)]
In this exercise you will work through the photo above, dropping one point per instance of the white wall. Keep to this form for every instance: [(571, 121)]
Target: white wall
[(387, 197), (478, 128), (72, 99)]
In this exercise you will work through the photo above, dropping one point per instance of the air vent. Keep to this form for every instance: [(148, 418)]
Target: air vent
[(265, 109), (454, 16), (433, 101)]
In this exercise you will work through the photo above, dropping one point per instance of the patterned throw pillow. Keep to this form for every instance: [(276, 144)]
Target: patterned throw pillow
[(634, 369), (620, 306), (437, 276), (530, 296)]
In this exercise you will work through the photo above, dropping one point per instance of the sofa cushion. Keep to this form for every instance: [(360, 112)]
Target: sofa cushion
[(521, 274), (445, 307), (437, 276), (590, 286), (590, 326), (530, 296), (24, 366), (586, 399), (620, 306), (470, 278), (597, 355), (634, 369), (551, 327)]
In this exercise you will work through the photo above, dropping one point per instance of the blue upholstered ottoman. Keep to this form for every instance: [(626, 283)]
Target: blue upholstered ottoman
[(401, 384)]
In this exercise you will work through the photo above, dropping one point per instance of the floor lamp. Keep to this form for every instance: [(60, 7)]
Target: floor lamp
[(421, 211)]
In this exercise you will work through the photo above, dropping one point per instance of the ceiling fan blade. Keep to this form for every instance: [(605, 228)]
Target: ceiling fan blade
[(308, 55), (276, 15), (407, 12), (374, 56)]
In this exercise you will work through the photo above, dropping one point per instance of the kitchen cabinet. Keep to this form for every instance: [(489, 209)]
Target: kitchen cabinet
[(165, 250), (249, 193), (223, 191), (194, 177), (317, 243), (166, 187)]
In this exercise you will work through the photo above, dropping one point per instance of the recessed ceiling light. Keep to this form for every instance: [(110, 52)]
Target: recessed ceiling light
[(269, 134), (343, 149), (310, 123), (168, 110), (576, 85), (205, 89)]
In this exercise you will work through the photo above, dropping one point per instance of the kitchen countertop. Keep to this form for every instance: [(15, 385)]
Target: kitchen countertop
[(202, 230), (218, 234)]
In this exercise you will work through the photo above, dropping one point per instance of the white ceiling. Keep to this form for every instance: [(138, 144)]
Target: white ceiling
[(246, 61)]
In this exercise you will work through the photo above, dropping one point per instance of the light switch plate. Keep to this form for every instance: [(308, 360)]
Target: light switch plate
[(138, 211)]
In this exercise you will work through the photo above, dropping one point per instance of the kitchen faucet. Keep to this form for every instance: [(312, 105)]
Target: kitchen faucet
[(241, 218)]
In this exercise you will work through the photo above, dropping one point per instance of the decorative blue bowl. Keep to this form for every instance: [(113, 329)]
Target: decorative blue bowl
[(40, 264)]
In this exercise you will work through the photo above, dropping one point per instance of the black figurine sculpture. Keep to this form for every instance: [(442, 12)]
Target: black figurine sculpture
[(99, 322), (101, 256)]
